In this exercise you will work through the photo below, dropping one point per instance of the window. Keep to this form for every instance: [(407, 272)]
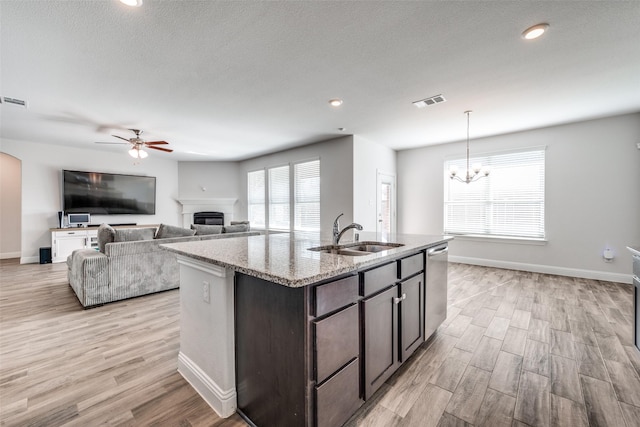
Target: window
[(292, 193), (255, 198), (279, 198), (507, 203), (307, 196)]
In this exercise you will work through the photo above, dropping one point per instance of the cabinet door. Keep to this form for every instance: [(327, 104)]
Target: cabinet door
[(64, 246), (380, 313), (411, 292)]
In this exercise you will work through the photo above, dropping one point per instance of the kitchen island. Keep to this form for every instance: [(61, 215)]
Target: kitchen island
[(289, 336)]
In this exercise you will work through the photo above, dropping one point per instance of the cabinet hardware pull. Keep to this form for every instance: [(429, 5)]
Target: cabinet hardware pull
[(437, 252), (400, 299)]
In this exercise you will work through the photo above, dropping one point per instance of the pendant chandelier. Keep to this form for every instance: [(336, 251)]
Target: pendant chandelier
[(473, 173)]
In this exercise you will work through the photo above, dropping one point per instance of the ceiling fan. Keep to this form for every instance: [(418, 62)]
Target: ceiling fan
[(138, 144)]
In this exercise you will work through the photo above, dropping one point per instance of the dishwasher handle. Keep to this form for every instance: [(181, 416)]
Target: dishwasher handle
[(434, 252)]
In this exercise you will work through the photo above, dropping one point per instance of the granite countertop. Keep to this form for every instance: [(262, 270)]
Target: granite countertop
[(284, 258), (635, 250)]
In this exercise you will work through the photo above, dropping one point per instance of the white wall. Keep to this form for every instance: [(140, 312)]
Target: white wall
[(336, 177), (369, 158), (592, 198), (41, 187), (10, 206)]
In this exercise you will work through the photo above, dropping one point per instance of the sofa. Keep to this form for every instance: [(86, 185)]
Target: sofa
[(130, 262)]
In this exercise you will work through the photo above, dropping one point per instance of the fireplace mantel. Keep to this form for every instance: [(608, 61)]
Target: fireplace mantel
[(190, 206)]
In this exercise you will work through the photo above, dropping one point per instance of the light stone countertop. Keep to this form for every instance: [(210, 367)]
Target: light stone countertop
[(284, 258), (635, 250)]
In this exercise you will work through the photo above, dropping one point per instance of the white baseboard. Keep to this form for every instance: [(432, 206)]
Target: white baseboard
[(9, 255), (546, 269), (224, 402), (29, 260)]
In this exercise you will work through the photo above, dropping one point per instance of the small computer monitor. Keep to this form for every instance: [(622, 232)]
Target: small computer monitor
[(78, 219)]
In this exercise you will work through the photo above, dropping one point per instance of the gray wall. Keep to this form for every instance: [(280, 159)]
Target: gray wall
[(592, 198), (219, 180), (336, 177), (369, 158), (42, 195)]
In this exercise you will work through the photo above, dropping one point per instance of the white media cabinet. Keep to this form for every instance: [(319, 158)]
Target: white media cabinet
[(66, 240)]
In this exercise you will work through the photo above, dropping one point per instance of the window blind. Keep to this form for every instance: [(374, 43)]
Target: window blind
[(509, 202), (307, 196), (279, 198), (255, 195)]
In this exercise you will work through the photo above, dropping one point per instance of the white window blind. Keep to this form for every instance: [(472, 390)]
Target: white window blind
[(509, 202), (279, 214), (307, 196), (255, 196)]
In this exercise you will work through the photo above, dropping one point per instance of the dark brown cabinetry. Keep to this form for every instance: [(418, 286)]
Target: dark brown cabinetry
[(380, 314), (636, 300), (311, 356), (393, 318), (411, 315)]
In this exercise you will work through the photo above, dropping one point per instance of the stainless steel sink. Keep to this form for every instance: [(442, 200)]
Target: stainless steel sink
[(357, 249)]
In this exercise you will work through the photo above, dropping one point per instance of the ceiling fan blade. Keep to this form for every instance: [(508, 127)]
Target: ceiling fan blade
[(160, 148), (112, 143), (156, 142), (124, 139)]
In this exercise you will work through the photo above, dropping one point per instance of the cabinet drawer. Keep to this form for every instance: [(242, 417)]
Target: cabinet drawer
[(336, 342), (335, 295), (339, 397), (379, 278), (71, 233), (410, 265)]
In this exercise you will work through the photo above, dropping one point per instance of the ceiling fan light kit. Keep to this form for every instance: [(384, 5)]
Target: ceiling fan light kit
[(137, 145), (138, 153)]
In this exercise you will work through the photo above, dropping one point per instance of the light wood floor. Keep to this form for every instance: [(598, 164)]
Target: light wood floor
[(517, 349)]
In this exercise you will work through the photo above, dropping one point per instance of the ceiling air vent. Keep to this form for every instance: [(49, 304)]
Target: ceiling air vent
[(432, 100), (14, 101)]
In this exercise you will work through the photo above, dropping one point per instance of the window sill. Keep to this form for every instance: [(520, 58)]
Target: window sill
[(500, 239)]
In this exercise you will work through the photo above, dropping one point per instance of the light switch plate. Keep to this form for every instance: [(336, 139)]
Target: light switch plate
[(205, 291)]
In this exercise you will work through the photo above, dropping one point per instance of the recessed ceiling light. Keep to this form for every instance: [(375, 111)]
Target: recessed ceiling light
[(335, 102), (133, 3), (535, 31), (342, 129)]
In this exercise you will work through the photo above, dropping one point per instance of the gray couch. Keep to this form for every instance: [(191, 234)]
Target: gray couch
[(126, 269)]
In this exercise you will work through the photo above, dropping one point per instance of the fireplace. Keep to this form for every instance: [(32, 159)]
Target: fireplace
[(221, 205), (208, 218)]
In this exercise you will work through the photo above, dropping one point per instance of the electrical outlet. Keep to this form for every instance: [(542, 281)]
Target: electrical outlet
[(205, 291)]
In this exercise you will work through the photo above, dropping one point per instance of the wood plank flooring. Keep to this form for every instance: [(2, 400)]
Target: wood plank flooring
[(517, 349)]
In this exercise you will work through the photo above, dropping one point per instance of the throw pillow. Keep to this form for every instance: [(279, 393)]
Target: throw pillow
[(202, 229), (106, 234), (236, 228), (166, 231), (134, 234)]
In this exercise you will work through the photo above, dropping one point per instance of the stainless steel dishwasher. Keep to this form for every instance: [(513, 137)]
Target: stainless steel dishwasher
[(436, 289)]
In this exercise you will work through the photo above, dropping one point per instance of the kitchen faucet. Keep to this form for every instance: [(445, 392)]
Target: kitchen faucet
[(337, 233)]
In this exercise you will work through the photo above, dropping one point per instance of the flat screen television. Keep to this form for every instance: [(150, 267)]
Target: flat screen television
[(108, 194)]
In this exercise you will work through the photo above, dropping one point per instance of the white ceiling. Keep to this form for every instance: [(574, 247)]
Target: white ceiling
[(231, 80)]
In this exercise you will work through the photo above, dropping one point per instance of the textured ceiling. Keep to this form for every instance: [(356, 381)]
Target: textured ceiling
[(231, 80)]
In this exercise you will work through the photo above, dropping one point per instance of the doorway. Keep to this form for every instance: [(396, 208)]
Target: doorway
[(10, 206), (386, 206)]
